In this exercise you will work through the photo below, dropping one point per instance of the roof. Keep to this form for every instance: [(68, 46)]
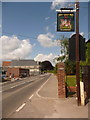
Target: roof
[(23, 63), (6, 63)]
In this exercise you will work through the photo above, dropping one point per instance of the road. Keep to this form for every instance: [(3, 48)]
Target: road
[(17, 92)]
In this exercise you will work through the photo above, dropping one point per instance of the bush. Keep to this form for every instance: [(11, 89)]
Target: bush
[(70, 67)]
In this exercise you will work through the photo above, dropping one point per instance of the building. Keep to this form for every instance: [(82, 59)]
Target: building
[(17, 72), (32, 65), (6, 65)]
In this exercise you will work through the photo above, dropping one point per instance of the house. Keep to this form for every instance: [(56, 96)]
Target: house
[(32, 65), (17, 72), (6, 65)]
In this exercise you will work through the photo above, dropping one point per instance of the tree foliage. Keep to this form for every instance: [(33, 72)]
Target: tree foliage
[(63, 49), (45, 66), (88, 53), (69, 65), (87, 62)]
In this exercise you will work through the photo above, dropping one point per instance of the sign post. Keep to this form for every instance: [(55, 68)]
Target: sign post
[(65, 23), (77, 55)]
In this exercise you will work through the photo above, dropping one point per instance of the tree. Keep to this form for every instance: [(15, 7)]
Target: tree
[(46, 65), (63, 49), (87, 62), (88, 53), (69, 65)]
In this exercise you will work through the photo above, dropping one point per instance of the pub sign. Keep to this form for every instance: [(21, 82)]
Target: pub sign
[(65, 22)]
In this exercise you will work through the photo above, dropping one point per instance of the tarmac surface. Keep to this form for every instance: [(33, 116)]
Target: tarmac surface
[(44, 103)]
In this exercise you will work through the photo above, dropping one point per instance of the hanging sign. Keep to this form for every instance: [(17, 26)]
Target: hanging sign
[(65, 22)]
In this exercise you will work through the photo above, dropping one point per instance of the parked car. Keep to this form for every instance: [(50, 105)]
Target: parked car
[(3, 76)]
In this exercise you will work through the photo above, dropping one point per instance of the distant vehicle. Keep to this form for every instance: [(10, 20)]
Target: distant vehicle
[(3, 76)]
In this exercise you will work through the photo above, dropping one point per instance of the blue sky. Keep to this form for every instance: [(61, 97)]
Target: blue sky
[(35, 22)]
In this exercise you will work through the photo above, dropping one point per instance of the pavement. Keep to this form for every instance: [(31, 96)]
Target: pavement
[(44, 103)]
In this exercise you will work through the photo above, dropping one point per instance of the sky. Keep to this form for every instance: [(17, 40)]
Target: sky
[(29, 29)]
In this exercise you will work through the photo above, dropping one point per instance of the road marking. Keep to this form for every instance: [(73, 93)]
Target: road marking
[(31, 96), (25, 82), (17, 85), (14, 86), (20, 107), (0, 91), (42, 87), (37, 92)]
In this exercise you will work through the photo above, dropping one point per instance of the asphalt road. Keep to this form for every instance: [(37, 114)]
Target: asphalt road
[(17, 92)]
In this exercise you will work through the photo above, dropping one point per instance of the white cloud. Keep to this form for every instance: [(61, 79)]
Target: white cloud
[(0, 26), (82, 34), (58, 3), (47, 18), (42, 57), (14, 48), (47, 28), (46, 40), (62, 3)]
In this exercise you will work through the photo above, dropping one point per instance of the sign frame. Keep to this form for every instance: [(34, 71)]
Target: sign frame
[(66, 20)]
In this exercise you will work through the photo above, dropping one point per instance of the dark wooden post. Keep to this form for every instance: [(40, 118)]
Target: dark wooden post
[(77, 55)]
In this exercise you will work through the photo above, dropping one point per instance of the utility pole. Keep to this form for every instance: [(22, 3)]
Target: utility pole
[(77, 55)]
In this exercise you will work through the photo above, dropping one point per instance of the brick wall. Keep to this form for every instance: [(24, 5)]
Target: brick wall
[(61, 80), (11, 71), (17, 72)]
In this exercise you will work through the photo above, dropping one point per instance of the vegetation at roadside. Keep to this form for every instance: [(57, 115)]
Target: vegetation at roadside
[(51, 71), (87, 62), (71, 80), (70, 66)]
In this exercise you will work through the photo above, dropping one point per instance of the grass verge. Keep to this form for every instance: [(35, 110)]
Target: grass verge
[(71, 80)]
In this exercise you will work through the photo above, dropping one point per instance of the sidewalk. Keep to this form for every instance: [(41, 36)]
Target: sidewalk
[(46, 104)]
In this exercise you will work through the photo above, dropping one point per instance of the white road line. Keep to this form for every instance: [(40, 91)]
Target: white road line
[(17, 85), (14, 86), (42, 86), (24, 82), (37, 92), (20, 107), (31, 96)]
